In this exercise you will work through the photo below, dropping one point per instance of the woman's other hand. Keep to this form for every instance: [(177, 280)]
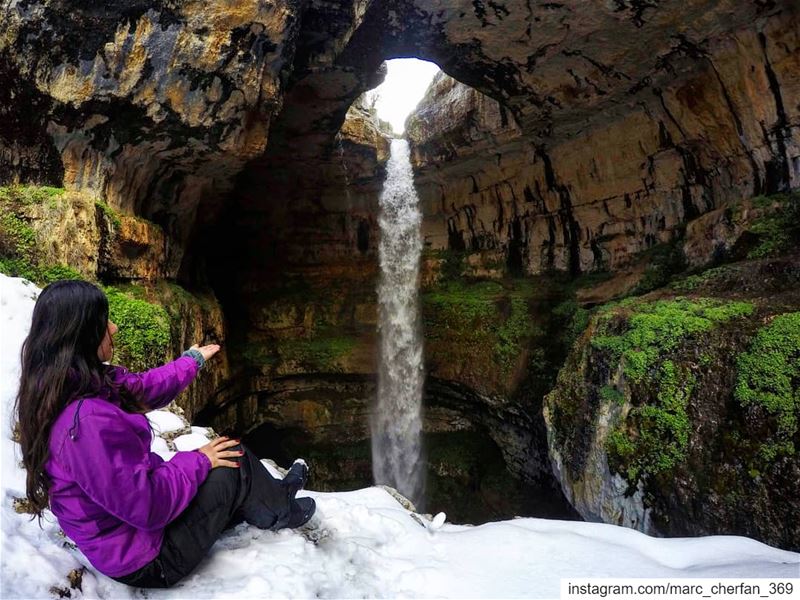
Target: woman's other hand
[(217, 450), (207, 351)]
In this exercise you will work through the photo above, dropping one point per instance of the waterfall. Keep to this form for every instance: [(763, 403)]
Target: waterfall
[(397, 418)]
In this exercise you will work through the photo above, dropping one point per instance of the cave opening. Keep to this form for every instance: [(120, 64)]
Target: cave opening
[(300, 305)]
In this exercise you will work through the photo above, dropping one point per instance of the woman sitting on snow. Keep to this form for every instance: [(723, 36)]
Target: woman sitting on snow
[(86, 447)]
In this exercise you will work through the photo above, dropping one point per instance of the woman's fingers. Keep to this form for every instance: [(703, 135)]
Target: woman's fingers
[(231, 453), (209, 351), (227, 444), (227, 463)]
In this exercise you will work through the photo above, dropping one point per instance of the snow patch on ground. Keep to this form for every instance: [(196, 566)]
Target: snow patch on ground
[(363, 544)]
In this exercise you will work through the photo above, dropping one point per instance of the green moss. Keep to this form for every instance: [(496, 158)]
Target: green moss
[(692, 282), (20, 255), (109, 212), (320, 353), (574, 319), (656, 436), (144, 330), (611, 394), (643, 336), (458, 302), (57, 272), (317, 353), (512, 333), (452, 266), (18, 250), (664, 261), (18, 236), (30, 194), (651, 329), (768, 376), (477, 319), (778, 231)]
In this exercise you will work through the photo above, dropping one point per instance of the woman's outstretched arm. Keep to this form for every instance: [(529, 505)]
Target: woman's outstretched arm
[(158, 387), (111, 464)]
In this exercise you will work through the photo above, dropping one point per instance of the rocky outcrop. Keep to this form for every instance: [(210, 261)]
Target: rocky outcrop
[(47, 234), (151, 106), (673, 413)]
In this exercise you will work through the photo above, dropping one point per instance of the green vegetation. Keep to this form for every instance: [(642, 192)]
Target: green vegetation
[(52, 273), (778, 231), (710, 276), (664, 261), (768, 376), (573, 318), (17, 246), (320, 353), (457, 302), (642, 336), (30, 194), (657, 435), (480, 319), (652, 329), (109, 212), (452, 265), (317, 353), (20, 255), (144, 329), (511, 334), (611, 394)]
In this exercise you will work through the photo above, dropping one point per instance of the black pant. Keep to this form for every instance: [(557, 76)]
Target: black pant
[(227, 497)]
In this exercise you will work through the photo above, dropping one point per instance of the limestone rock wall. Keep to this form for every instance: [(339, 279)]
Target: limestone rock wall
[(150, 105), (628, 178), (47, 234)]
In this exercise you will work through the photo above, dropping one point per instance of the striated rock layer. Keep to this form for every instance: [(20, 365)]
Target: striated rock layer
[(715, 119)]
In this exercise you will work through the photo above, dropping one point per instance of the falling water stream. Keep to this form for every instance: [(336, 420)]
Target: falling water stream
[(397, 419)]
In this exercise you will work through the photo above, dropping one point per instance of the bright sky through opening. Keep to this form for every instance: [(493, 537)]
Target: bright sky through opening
[(404, 86)]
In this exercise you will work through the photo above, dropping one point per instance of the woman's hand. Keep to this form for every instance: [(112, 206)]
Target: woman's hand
[(216, 452), (207, 351)]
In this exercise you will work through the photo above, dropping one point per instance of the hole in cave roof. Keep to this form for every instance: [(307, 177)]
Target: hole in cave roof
[(407, 80)]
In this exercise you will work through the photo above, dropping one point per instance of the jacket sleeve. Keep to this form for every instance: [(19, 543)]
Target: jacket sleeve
[(158, 387), (109, 462)]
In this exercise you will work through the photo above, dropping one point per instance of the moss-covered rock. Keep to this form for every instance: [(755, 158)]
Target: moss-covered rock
[(27, 213), (768, 382), (669, 407), (144, 334), (477, 332)]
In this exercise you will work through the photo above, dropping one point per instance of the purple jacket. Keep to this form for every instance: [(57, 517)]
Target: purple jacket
[(111, 495)]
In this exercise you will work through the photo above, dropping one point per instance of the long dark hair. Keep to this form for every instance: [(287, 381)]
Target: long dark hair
[(59, 365)]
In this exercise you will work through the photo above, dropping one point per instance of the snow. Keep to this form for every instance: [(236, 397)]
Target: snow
[(163, 421), (190, 441), (364, 544)]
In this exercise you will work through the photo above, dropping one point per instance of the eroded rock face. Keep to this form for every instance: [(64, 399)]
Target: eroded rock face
[(712, 121), (152, 106)]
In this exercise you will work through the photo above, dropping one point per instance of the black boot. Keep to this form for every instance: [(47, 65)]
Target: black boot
[(301, 511), (296, 476)]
